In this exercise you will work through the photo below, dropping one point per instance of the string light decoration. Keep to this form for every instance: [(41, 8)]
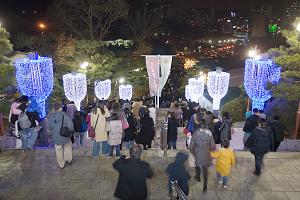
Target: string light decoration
[(217, 86), (125, 92), (258, 72), (75, 87), (34, 76), (187, 92), (189, 63), (196, 88), (103, 89)]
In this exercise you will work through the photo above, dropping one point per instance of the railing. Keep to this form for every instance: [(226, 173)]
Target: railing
[(177, 192), (163, 135)]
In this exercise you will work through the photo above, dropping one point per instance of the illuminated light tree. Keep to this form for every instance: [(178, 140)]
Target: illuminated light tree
[(103, 89), (125, 92), (217, 86), (34, 76), (75, 87), (196, 88), (189, 63), (258, 73)]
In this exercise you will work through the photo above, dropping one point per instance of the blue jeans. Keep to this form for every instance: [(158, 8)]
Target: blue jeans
[(79, 138), (96, 148), (172, 144), (112, 150), (129, 144), (224, 179), (28, 137)]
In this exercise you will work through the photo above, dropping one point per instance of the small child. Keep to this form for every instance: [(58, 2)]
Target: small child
[(177, 172), (225, 160), (114, 127)]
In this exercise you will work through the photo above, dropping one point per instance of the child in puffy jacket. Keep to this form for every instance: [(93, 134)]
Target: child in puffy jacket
[(225, 160)]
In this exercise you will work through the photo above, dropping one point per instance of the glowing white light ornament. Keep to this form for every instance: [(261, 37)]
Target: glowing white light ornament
[(196, 89), (34, 76), (258, 72), (187, 92), (75, 87), (103, 89), (217, 86), (125, 92)]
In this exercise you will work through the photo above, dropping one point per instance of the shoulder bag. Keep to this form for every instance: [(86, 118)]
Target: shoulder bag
[(92, 133), (65, 131)]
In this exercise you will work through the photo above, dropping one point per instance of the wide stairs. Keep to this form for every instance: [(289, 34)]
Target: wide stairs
[(35, 175)]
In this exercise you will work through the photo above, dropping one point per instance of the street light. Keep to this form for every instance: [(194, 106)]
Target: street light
[(252, 53), (84, 65), (121, 80)]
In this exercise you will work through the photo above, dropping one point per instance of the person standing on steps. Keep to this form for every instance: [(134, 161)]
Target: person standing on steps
[(260, 142), (98, 121), (225, 160), (177, 172), (225, 128), (115, 132), (133, 173), (250, 124), (173, 125), (278, 130), (63, 145), (201, 144), (147, 131)]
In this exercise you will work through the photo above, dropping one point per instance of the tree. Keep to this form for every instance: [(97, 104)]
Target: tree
[(5, 66), (288, 58), (143, 26), (88, 19)]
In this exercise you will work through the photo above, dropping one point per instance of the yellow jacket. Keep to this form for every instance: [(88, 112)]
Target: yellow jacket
[(225, 160)]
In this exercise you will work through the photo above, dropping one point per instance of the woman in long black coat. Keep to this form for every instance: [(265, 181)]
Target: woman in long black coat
[(147, 131), (130, 131)]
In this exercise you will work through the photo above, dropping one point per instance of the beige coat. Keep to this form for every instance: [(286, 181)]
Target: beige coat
[(101, 133), (136, 108)]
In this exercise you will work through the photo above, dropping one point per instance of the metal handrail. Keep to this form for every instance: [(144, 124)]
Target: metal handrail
[(177, 192)]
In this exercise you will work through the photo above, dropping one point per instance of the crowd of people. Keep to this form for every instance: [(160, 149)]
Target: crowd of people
[(113, 125)]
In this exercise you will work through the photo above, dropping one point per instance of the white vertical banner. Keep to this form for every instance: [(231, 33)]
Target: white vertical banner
[(152, 64), (165, 69)]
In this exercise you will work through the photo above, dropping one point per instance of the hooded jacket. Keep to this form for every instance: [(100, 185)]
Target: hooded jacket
[(177, 171), (225, 160), (202, 142), (260, 141), (225, 129)]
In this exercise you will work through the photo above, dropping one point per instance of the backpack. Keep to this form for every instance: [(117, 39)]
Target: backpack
[(24, 121)]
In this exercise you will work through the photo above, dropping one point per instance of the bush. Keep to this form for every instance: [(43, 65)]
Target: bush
[(237, 108)]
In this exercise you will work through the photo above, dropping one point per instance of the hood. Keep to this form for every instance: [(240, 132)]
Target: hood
[(263, 131), (181, 158)]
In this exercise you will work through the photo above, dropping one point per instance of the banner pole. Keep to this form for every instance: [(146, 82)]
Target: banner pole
[(158, 88)]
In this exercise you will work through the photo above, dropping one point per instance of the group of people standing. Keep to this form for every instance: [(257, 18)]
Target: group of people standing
[(106, 123)]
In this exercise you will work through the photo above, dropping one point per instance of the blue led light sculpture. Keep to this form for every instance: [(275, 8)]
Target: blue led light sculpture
[(258, 72), (34, 76)]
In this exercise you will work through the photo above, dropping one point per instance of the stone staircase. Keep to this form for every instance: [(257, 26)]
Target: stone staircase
[(34, 175)]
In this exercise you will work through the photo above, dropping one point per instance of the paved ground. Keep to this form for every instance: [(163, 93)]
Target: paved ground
[(36, 176)]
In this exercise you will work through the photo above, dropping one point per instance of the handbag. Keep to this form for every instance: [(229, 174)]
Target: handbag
[(65, 131), (92, 133)]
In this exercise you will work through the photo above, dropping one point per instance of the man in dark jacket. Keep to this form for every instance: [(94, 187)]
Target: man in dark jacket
[(132, 176), (177, 172), (278, 131), (250, 124), (260, 142)]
